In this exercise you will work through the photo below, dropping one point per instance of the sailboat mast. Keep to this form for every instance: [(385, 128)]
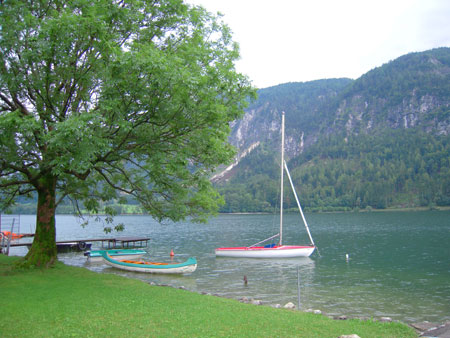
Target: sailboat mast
[(282, 172)]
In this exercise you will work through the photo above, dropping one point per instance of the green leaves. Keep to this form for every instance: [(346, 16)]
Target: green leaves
[(118, 100)]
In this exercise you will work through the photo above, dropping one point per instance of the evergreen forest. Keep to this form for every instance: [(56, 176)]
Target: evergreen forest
[(396, 169)]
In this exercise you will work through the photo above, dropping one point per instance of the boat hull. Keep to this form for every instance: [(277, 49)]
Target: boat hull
[(96, 255), (283, 251), (72, 247), (148, 267)]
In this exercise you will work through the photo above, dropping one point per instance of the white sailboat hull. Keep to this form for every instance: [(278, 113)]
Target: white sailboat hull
[(283, 251)]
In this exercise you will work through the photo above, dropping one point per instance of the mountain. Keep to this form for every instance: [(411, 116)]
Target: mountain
[(379, 141), (412, 91), (303, 104)]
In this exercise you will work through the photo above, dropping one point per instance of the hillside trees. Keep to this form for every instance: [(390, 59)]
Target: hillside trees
[(398, 168), (108, 99), (378, 141), (395, 168)]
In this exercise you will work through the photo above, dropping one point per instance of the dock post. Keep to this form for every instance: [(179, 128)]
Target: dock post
[(10, 237)]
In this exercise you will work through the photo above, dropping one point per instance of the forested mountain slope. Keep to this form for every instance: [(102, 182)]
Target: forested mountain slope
[(379, 141), (412, 91)]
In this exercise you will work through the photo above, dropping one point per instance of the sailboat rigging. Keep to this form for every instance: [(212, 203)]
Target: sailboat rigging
[(280, 250)]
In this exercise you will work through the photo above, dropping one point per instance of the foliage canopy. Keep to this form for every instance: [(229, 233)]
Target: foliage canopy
[(113, 99)]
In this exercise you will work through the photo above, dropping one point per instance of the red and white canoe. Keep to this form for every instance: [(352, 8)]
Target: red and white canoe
[(278, 251)]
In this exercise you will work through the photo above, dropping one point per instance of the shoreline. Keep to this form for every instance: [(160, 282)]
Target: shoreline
[(337, 315), (152, 311), (406, 209), (412, 209), (423, 329), (375, 300)]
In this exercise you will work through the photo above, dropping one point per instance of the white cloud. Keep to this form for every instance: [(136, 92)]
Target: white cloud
[(297, 40)]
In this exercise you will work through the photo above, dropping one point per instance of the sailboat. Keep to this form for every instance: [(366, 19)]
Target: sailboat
[(274, 250)]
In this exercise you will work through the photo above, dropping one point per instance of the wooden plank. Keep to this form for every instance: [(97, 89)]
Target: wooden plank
[(122, 240)]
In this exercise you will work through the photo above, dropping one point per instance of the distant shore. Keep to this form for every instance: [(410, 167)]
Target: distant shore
[(409, 209), (365, 210)]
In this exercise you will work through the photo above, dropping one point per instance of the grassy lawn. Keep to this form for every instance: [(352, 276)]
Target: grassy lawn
[(67, 301)]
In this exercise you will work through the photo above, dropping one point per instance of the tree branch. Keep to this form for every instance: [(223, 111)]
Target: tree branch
[(116, 187), (11, 105)]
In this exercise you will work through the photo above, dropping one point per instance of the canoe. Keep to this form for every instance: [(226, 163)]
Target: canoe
[(151, 267), (12, 235), (96, 256)]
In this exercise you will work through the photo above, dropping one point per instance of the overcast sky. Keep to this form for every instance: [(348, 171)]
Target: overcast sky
[(302, 40)]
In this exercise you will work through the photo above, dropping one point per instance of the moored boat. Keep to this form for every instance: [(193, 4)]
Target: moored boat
[(96, 255), (274, 250), (65, 247), (78, 246), (188, 266), (12, 235)]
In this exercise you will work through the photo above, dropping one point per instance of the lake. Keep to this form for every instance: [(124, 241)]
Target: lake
[(398, 266)]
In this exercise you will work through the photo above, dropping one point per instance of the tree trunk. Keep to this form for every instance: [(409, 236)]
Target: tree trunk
[(43, 250)]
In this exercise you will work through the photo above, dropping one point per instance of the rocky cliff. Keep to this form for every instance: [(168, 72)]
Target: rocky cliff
[(412, 91)]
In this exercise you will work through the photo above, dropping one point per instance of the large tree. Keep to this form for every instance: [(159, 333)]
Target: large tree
[(104, 100)]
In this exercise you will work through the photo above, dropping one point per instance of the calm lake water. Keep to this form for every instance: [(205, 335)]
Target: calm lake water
[(399, 262)]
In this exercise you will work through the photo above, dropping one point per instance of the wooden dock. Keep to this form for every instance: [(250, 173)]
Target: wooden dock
[(10, 237), (118, 242), (109, 243)]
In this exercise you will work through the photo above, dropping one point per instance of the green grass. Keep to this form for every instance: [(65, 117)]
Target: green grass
[(67, 301)]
